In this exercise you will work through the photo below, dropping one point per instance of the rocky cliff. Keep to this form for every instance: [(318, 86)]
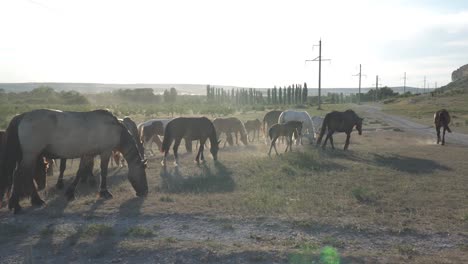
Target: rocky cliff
[(460, 73)]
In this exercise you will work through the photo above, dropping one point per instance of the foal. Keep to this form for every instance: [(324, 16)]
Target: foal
[(442, 119), (287, 130)]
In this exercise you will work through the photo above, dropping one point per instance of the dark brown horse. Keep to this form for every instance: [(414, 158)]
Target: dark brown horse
[(269, 120), (190, 128), (287, 130), (340, 122), (255, 126), (442, 119), (231, 125)]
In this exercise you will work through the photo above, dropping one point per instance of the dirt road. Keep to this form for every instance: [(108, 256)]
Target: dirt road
[(375, 111)]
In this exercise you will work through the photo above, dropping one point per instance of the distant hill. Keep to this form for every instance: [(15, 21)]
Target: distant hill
[(195, 89)]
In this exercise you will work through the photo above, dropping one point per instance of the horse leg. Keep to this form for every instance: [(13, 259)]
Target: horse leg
[(348, 136), (438, 133), (163, 161), (23, 184), (271, 145), (326, 139), (331, 141), (175, 148), (103, 192), (443, 136), (63, 166), (70, 192), (200, 151)]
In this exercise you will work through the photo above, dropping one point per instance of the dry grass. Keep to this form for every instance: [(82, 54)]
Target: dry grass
[(389, 181)]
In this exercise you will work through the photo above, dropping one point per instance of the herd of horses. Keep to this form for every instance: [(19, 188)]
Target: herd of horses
[(34, 139)]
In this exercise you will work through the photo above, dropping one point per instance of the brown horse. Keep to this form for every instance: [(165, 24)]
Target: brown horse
[(231, 125), (255, 126), (41, 132), (190, 128), (287, 130), (340, 122), (442, 119), (270, 119)]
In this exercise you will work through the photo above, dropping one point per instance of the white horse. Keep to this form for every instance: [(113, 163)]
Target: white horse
[(301, 116)]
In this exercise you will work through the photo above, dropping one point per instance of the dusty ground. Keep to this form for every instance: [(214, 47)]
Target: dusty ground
[(395, 197)]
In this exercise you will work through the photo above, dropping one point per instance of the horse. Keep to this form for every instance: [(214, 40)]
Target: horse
[(269, 120), (340, 122), (150, 131), (317, 121), (255, 126), (301, 116), (442, 119), (287, 130), (67, 135), (231, 125), (190, 128), (87, 163)]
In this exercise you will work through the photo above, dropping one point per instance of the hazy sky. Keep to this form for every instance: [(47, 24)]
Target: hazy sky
[(243, 43)]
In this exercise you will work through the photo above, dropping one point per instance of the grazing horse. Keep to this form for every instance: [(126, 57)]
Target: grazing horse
[(150, 131), (67, 135), (231, 125), (287, 130), (442, 119), (87, 163), (340, 122), (255, 126), (269, 120), (301, 116), (190, 128)]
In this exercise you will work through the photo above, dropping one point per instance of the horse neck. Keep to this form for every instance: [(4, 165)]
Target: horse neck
[(213, 138), (128, 148)]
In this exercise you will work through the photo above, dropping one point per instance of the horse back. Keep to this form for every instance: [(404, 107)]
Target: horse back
[(189, 127), (69, 134)]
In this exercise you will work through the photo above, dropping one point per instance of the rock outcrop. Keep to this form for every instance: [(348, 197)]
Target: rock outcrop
[(460, 73)]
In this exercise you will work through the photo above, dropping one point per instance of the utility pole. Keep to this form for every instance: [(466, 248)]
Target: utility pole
[(376, 87), (359, 74), (424, 84), (404, 84), (319, 59)]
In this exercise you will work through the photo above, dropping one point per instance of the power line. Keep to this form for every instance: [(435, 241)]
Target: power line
[(319, 59)]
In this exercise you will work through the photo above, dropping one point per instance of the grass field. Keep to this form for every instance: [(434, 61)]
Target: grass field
[(394, 197)]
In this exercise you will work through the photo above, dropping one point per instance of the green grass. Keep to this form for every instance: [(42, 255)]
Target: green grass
[(92, 230), (139, 231)]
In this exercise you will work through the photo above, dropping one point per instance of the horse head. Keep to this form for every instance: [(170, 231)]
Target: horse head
[(214, 150), (137, 177), (359, 125)]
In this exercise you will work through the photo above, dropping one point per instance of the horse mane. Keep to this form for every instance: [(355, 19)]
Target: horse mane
[(128, 145)]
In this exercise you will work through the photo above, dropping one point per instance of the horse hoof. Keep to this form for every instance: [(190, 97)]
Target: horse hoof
[(59, 185), (37, 202), (176, 164), (105, 194), (70, 194), (163, 163)]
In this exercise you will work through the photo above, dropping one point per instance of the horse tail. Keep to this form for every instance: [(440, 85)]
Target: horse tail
[(166, 144), (447, 121), (11, 155), (323, 129)]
